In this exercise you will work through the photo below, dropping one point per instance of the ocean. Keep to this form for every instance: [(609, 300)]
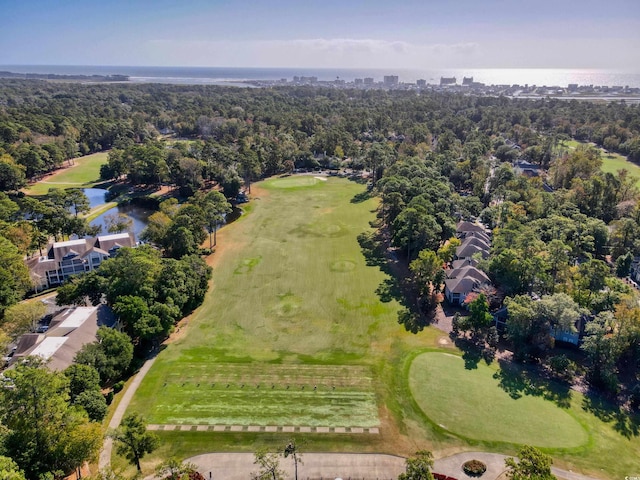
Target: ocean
[(225, 75)]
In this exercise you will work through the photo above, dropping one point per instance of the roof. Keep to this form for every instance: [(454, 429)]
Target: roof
[(94, 250), (107, 242), (68, 333), (478, 242), (468, 271), (481, 235), (464, 262), (465, 226), (461, 285), (466, 251)]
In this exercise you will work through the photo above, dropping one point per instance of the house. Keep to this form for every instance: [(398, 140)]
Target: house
[(472, 246), (468, 271), (464, 262), (462, 281), (528, 169), (457, 289), (64, 259), (69, 331), (464, 228), (464, 277)]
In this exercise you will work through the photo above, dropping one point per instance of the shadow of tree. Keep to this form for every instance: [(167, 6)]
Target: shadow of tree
[(373, 251), (361, 197), (389, 290), (625, 423), (518, 381)]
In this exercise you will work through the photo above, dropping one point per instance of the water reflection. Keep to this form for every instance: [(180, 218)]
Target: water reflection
[(96, 196), (139, 217)]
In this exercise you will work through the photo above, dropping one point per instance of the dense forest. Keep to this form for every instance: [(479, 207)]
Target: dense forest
[(562, 240)]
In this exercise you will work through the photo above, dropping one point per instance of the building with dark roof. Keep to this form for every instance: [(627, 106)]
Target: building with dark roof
[(72, 257)]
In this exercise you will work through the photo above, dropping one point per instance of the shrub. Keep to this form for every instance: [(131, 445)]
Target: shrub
[(118, 386), (474, 468)]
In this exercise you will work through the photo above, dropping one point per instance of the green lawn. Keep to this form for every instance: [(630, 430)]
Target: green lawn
[(84, 174), (612, 162), (293, 305), (482, 410)]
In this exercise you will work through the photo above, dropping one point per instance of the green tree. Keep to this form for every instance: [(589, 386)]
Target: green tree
[(82, 378), (14, 276), (269, 465), (12, 175), (418, 467), (428, 277), (22, 318), (44, 433), (214, 206), (132, 439), (532, 465), (111, 355), (174, 469), (479, 319), (9, 470), (94, 403)]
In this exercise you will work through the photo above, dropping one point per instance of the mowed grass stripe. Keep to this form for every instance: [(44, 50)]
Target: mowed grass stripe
[(470, 403)]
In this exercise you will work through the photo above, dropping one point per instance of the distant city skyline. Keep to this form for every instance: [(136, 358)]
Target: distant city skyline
[(327, 34)]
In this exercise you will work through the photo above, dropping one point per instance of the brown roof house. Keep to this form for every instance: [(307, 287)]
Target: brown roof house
[(72, 257)]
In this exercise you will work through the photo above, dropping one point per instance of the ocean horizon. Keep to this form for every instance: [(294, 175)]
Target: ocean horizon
[(225, 75)]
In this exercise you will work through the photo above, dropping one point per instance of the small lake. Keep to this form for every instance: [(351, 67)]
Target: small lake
[(96, 196), (139, 215)]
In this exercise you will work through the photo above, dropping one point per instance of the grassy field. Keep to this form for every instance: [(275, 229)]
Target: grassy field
[(509, 418), (293, 305), (84, 174), (612, 162)]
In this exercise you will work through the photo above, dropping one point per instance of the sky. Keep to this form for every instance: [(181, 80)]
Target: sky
[(417, 34)]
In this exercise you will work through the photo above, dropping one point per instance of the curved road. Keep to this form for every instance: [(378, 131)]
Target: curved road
[(239, 466)]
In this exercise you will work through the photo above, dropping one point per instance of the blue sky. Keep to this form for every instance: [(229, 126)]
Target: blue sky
[(329, 33)]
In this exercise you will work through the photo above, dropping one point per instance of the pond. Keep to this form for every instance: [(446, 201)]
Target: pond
[(139, 217), (96, 196)]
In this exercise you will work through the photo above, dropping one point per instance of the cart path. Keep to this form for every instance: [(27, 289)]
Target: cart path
[(105, 454)]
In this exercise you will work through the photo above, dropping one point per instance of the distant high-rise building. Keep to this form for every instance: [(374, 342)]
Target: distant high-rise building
[(447, 80), (390, 80), (368, 81), (467, 80), (421, 83), (358, 81)]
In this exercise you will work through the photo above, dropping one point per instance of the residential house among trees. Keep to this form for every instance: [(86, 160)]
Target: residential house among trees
[(73, 257), (464, 277)]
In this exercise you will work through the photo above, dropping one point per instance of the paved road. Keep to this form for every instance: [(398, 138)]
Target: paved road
[(105, 454), (239, 466), (328, 466)]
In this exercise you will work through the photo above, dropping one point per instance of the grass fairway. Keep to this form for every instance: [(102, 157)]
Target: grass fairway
[(612, 162), (293, 305), (482, 410), (84, 174), (287, 335)]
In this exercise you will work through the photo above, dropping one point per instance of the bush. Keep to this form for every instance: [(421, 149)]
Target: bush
[(118, 386), (562, 367), (474, 468)]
